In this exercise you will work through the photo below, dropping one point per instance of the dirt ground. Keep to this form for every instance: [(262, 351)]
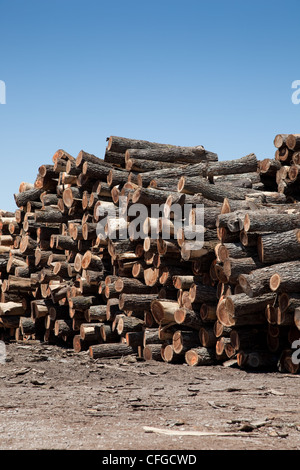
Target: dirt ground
[(52, 398)]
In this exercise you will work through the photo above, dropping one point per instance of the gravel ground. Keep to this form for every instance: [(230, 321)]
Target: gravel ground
[(52, 398)]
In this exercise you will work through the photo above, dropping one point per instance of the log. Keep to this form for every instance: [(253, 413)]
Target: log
[(96, 313), (108, 334), (29, 195), (201, 356), (215, 192), (96, 171), (27, 326), (207, 337), (182, 341), (110, 350), (259, 280), (279, 247), (242, 165), (256, 222), (247, 338), (135, 302), (152, 352), (170, 356), (163, 310), (131, 286), (189, 318), (233, 250), (286, 277), (199, 293), (121, 144), (240, 304), (82, 303), (12, 308), (127, 324), (171, 155), (90, 332), (134, 339)]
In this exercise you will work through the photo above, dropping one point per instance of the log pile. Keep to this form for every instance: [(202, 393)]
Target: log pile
[(82, 268)]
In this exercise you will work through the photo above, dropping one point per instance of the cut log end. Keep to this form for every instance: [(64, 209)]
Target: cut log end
[(275, 282)]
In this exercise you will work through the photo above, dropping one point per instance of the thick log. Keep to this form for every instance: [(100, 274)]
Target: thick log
[(280, 140), (19, 284), (90, 331), (215, 192), (242, 165), (27, 326), (96, 313), (270, 222), (233, 268), (171, 155), (144, 179), (121, 144), (279, 247), (153, 352), (239, 305), (88, 157), (207, 337), (187, 317), (28, 245), (96, 171), (201, 356), (208, 312), (131, 286), (127, 324), (286, 277), (138, 302), (141, 166), (261, 359), (50, 217), (91, 261), (200, 293), (82, 303), (80, 345), (63, 328), (182, 341), (233, 250), (22, 198), (245, 338), (257, 282), (163, 310)]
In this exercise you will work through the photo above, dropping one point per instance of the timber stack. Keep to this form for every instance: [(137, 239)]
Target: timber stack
[(78, 270)]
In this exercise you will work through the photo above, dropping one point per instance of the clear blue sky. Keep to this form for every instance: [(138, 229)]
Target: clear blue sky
[(216, 73)]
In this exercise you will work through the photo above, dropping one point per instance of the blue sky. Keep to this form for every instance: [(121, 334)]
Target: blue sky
[(216, 73)]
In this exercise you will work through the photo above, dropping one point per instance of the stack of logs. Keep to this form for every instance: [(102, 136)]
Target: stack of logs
[(75, 273)]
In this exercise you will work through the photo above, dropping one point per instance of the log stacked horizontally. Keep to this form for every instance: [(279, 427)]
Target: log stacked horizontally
[(77, 270)]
